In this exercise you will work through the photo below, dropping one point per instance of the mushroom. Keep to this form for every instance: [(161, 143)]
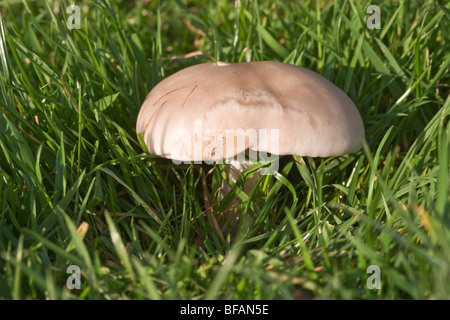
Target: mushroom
[(216, 112)]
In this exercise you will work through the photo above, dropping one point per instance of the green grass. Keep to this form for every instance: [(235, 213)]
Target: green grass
[(69, 155)]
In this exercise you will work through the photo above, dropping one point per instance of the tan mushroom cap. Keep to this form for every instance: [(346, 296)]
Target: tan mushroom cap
[(312, 116)]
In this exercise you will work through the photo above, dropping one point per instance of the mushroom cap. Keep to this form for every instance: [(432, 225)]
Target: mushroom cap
[(185, 115)]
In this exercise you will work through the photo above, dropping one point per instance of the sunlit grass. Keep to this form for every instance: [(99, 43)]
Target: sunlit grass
[(77, 188)]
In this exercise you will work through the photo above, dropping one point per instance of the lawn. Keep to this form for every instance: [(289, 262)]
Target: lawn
[(78, 188)]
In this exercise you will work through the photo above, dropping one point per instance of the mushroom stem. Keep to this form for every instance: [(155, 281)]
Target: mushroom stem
[(209, 210), (233, 169)]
